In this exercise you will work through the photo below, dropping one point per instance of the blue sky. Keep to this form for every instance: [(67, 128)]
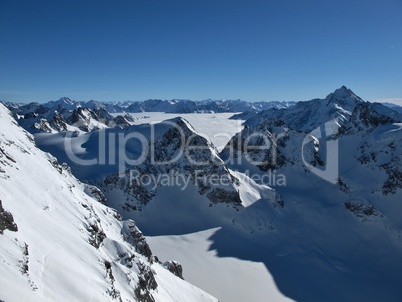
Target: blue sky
[(253, 50)]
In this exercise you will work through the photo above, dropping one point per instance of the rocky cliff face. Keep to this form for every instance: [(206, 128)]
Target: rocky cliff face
[(177, 154)]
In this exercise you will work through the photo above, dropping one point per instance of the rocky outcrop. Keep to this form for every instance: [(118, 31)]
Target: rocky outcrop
[(111, 291), (394, 172), (362, 211), (58, 122), (121, 121), (174, 267), (95, 193), (6, 221), (94, 227), (146, 283), (133, 235)]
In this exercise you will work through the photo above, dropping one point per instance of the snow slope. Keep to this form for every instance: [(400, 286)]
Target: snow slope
[(63, 244), (236, 280)]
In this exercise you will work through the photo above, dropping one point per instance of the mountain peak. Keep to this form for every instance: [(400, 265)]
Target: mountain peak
[(65, 100), (343, 93), (344, 97)]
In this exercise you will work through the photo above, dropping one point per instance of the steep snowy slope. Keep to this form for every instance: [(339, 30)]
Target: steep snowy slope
[(58, 242)]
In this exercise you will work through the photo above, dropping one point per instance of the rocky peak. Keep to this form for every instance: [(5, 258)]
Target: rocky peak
[(58, 122), (344, 97)]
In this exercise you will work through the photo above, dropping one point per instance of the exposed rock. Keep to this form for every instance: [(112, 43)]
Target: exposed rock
[(174, 267), (219, 195), (25, 261), (343, 186), (121, 121), (279, 200), (53, 161), (6, 221), (94, 227), (58, 122), (96, 234), (145, 284), (42, 125), (95, 193), (394, 172), (362, 211), (134, 236), (81, 118), (112, 291)]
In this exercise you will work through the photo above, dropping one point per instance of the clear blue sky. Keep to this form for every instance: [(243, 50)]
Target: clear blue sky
[(253, 50)]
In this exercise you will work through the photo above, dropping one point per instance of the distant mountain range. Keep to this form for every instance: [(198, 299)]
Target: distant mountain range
[(393, 106), (168, 106), (156, 105)]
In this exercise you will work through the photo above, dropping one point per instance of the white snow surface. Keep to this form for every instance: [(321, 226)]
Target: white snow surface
[(235, 280), (50, 258), (216, 127)]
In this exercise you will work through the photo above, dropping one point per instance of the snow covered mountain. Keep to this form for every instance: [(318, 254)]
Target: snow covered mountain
[(166, 159), (352, 203), (299, 141), (308, 115), (67, 115), (311, 192), (60, 242)]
